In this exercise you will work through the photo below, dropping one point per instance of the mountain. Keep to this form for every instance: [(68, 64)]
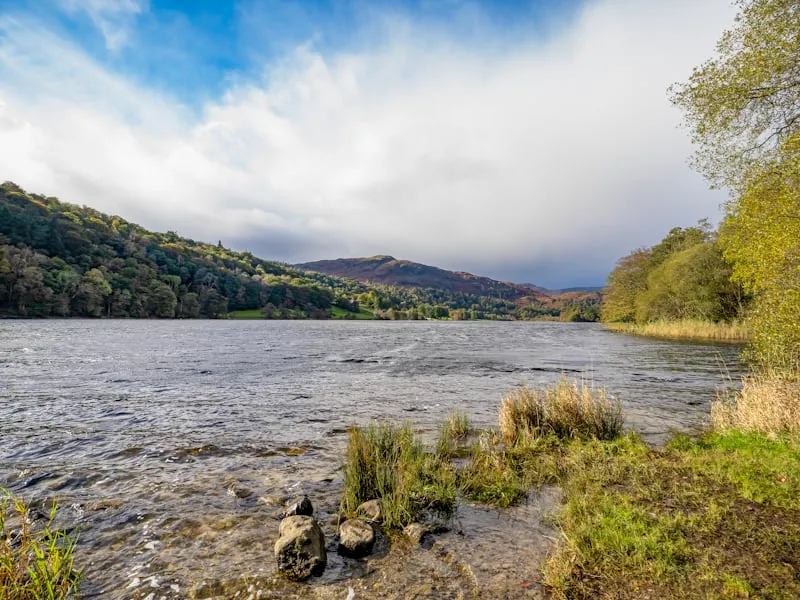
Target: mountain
[(388, 270)]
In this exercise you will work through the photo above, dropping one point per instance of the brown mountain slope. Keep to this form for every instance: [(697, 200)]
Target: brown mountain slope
[(391, 271)]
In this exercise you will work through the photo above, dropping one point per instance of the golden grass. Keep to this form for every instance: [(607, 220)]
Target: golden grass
[(687, 329), (566, 409), (766, 404)]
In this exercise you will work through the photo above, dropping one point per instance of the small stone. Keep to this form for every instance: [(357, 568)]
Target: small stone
[(301, 506), (371, 510), (417, 533), (300, 550), (356, 538)]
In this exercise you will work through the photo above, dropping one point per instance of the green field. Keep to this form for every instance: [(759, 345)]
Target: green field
[(336, 313), (361, 315), (246, 314)]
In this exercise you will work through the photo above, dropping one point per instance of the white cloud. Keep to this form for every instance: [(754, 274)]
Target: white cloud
[(543, 161), (113, 18)]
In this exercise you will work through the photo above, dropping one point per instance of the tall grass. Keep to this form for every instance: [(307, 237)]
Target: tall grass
[(766, 403), (36, 562), (387, 463), (687, 329), (452, 431), (566, 409)]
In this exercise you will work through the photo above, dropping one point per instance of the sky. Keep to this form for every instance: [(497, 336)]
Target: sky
[(526, 140)]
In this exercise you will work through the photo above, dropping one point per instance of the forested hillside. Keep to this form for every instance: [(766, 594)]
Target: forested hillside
[(59, 259), (64, 260)]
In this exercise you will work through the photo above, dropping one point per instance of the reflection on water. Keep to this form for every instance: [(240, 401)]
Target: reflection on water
[(169, 444)]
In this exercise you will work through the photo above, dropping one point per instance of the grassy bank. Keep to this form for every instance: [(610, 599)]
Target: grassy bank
[(686, 330), (717, 516)]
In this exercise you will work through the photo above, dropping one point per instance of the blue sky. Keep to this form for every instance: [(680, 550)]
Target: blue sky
[(528, 140)]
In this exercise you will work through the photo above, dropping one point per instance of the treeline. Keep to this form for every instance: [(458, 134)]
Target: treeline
[(59, 259), (685, 276)]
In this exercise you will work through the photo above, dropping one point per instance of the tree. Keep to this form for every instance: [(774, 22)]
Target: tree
[(743, 107), (625, 283), (761, 236), (744, 103), (694, 283)]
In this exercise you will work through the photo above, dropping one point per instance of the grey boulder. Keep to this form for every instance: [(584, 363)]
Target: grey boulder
[(356, 538), (300, 549)]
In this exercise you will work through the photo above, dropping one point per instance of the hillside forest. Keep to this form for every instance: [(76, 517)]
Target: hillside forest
[(63, 260)]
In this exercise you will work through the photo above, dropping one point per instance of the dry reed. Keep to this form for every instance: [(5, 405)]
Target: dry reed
[(766, 404), (686, 330), (566, 409)]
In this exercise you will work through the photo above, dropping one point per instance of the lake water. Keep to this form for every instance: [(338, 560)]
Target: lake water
[(169, 444)]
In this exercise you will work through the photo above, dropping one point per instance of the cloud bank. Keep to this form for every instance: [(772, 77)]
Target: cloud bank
[(541, 159)]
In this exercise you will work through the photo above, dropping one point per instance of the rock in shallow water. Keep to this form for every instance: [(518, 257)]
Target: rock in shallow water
[(300, 550), (372, 510), (418, 533), (301, 506), (356, 538)]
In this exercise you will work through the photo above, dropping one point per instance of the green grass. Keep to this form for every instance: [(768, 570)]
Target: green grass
[(713, 517), (36, 561), (452, 434), (388, 463), (363, 314), (246, 314)]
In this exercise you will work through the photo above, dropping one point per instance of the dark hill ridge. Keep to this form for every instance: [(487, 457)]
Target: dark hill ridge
[(388, 270)]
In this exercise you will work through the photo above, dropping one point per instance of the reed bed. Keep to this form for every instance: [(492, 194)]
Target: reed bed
[(567, 409), (766, 404), (688, 329)]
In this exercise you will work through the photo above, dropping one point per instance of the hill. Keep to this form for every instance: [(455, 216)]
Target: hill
[(59, 259), (405, 273), (63, 260)]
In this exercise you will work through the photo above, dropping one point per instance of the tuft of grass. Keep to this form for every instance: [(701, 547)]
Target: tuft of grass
[(388, 463), (453, 431), (565, 410), (491, 476), (687, 329), (766, 403), (36, 561)]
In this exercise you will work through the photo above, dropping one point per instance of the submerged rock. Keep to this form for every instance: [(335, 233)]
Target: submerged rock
[(300, 549), (372, 510), (418, 533), (356, 538), (301, 506)]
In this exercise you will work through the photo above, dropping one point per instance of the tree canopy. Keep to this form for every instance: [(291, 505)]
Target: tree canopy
[(743, 107)]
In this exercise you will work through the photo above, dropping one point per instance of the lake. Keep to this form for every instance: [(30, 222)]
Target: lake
[(169, 444)]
